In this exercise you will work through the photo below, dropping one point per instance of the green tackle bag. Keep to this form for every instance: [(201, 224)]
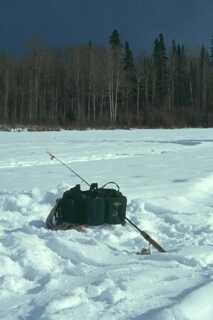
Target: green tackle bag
[(94, 207)]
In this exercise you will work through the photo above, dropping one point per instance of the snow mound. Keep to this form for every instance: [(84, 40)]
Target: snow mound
[(95, 272)]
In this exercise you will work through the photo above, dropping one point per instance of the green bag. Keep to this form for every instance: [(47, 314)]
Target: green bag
[(95, 206)]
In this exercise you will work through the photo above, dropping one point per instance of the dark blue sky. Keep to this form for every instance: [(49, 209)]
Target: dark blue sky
[(65, 22)]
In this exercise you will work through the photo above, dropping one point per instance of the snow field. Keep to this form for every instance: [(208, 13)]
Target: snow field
[(167, 177)]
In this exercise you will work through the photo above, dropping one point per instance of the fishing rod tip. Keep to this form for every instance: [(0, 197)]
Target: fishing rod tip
[(52, 157)]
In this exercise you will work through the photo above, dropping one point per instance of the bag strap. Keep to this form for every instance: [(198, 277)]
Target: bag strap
[(111, 182)]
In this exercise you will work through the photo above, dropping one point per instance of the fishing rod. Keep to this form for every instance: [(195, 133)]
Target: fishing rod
[(52, 157), (146, 236), (142, 232)]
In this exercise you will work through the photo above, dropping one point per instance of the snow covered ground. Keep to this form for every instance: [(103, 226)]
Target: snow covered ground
[(167, 176)]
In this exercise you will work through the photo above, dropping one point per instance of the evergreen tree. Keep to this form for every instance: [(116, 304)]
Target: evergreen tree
[(210, 77), (211, 50), (114, 40), (163, 70), (182, 96), (128, 65), (203, 77), (114, 72), (130, 81), (172, 75), (160, 70), (128, 58)]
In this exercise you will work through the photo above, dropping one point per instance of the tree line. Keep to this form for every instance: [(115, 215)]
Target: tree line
[(92, 86)]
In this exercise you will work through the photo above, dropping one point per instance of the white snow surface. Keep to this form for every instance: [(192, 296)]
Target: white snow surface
[(167, 176)]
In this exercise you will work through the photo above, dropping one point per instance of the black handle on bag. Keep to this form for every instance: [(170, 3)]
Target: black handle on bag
[(111, 182)]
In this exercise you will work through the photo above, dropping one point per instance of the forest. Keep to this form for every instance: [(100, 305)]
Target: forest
[(90, 86)]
